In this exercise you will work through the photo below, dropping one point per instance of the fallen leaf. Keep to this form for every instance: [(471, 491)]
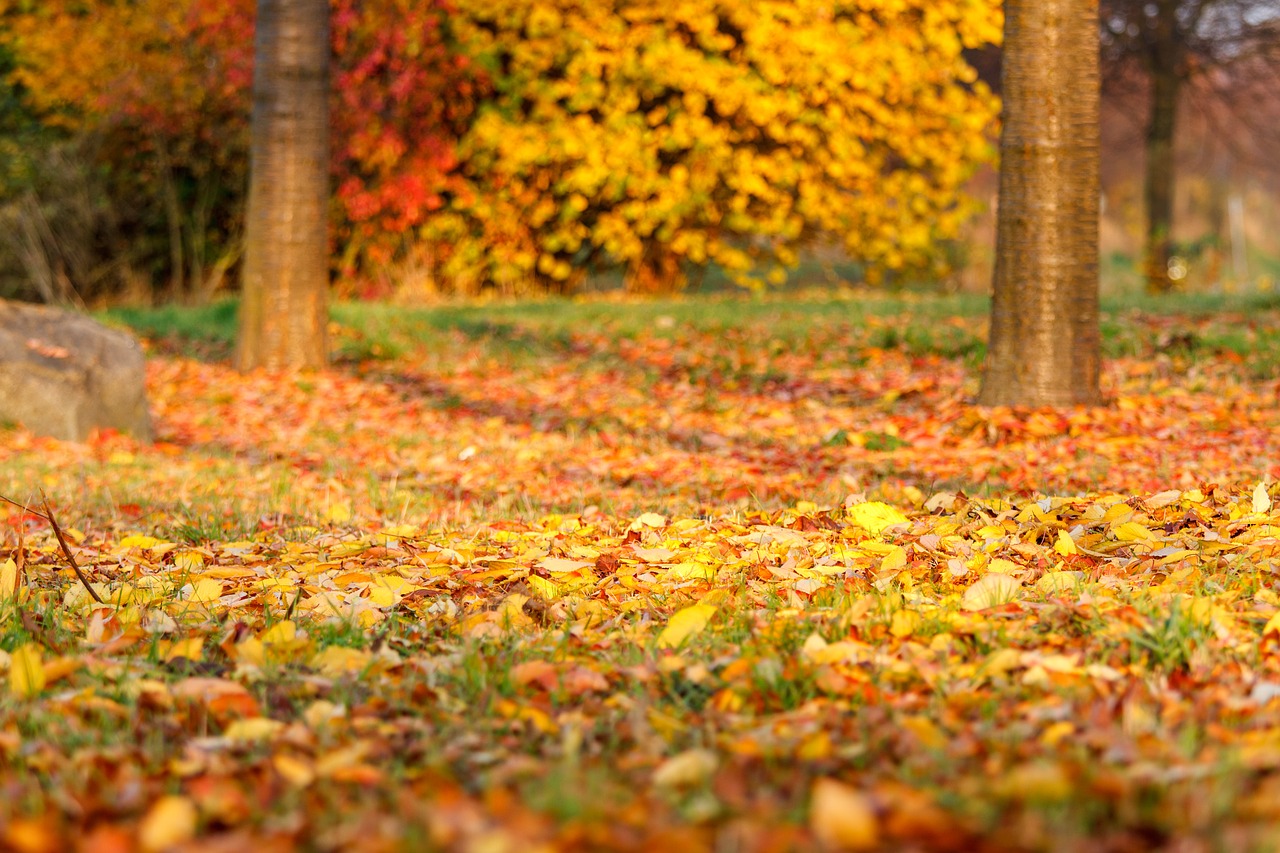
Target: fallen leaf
[(874, 516), (170, 821), (26, 671), (991, 590), (842, 817), (684, 624), (686, 770), (1261, 500)]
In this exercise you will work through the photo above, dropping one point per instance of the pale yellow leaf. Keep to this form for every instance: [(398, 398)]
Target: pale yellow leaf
[(1053, 583), (991, 590), (650, 520), (842, 818), (654, 555), (686, 770), (559, 565), (1261, 500)]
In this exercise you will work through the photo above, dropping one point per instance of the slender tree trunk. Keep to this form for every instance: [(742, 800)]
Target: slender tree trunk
[(1159, 178), (1044, 344), (283, 312)]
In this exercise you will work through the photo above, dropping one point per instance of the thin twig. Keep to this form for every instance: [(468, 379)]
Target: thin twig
[(48, 516)]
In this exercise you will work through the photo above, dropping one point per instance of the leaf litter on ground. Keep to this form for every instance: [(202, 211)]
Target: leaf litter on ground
[(648, 591)]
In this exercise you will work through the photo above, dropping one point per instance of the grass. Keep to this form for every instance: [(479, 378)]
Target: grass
[(1133, 324)]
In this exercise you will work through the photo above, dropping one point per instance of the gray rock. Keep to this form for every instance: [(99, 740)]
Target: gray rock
[(62, 374)]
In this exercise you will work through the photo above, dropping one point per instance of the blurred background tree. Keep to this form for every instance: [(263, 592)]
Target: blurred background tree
[(1217, 58)]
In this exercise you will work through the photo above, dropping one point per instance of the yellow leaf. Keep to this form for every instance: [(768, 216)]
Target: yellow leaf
[(874, 516), (1261, 500), (893, 562), (690, 570), (1066, 546), (1057, 732), (1040, 781), (253, 730), (250, 650), (190, 561), (338, 512), (169, 822), (925, 731), (1272, 626), (280, 633), (842, 818), (26, 671), (340, 660), (295, 771), (8, 580), (340, 759), (140, 541), (1001, 661), (684, 624), (191, 648), (322, 713), (380, 596), (202, 591), (904, 623), (1132, 531), (1003, 567), (543, 587)]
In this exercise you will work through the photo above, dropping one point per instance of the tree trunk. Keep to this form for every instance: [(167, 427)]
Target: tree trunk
[(283, 311), (1158, 180), (1044, 343)]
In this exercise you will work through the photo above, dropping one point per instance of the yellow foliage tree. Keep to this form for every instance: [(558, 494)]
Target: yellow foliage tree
[(650, 133)]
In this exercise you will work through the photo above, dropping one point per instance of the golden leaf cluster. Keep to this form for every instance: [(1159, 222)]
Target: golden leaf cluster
[(655, 134)]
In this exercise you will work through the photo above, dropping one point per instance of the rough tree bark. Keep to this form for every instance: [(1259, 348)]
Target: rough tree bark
[(283, 312), (1044, 343)]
